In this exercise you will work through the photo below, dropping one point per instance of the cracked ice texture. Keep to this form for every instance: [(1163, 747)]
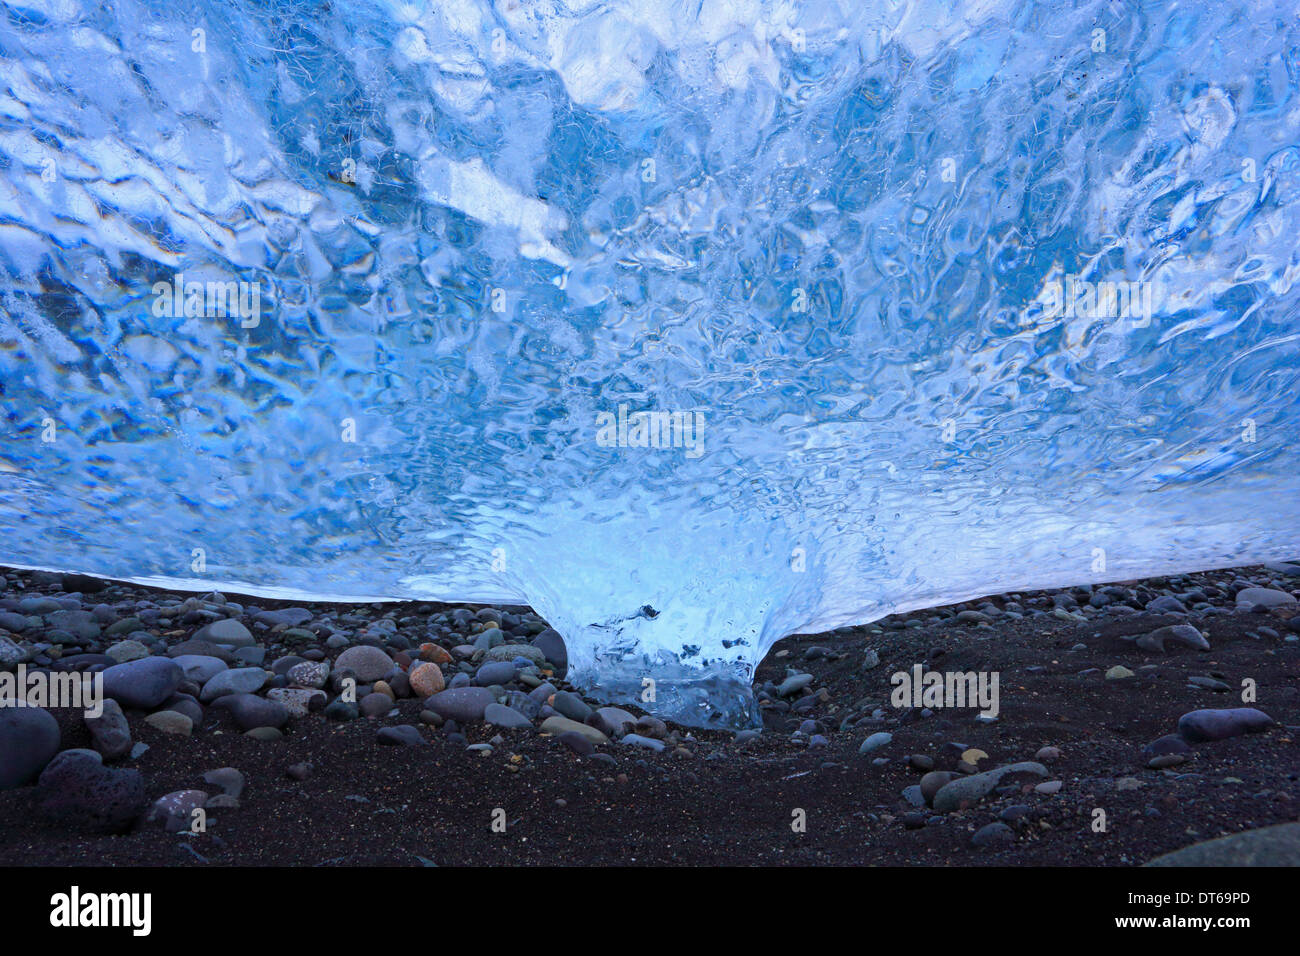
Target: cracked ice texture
[(926, 431)]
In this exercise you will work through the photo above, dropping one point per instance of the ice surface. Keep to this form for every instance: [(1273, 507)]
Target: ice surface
[(834, 236)]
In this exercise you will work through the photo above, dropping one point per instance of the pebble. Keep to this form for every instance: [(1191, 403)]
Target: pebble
[(1119, 672), (875, 742), (1166, 760), (434, 654), (340, 709), (110, 734), (228, 632), (1166, 604), (129, 650), (170, 722), (289, 616), (993, 834), (551, 644), (975, 787), (462, 704), (578, 743), (494, 672), (1200, 726), (648, 726), (142, 684), (1183, 634), (200, 668), (200, 649), (647, 743), (572, 706), (507, 717), (508, 653), (17, 623), (175, 810), (793, 684), (375, 704), (29, 739), (297, 701), (1265, 597), (240, 680), (933, 782), (402, 735), (620, 721), (250, 711), (1168, 744), (427, 679), (10, 653), (368, 663), (558, 725), (1272, 846)]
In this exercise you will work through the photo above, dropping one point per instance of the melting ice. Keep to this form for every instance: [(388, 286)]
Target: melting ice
[(958, 297)]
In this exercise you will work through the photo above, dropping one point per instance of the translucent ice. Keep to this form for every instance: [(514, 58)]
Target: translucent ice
[(364, 300)]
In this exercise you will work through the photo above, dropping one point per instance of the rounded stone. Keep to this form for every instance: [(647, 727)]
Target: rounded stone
[(249, 711), (200, 668), (368, 663), (29, 739), (228, 632), (1265, 597), (143, 684), (109, 731), (501, 716), (175, 810), (128, 650), (875, 742), (403, 735), (993, 834), (375, 704), (462, 704), (170, 722), (1201, 726), (297, 701), (494, 672), (551, 644), (427, 680), (309, 674), (240, 680)]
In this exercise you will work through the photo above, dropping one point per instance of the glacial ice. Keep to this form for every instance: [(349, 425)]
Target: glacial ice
[(949, 298)]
